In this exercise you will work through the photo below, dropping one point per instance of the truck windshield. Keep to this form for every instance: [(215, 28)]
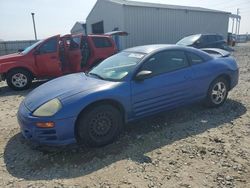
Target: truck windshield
[(116, 67), (28, 49)]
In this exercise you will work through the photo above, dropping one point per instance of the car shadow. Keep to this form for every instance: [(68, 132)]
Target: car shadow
[(33, 163), (7, 91)]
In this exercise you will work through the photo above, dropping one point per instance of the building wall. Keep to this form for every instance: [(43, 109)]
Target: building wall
[(147, 25), (77, 29), (156, 25), (110, 13)]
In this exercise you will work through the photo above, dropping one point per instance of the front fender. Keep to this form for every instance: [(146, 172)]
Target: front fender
[(6, 67), (74, 105)]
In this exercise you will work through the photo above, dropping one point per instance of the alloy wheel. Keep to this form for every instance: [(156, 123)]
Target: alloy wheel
[(219, 93), (19, 80)]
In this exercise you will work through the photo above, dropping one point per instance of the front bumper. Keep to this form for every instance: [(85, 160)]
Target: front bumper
[(61, 134)]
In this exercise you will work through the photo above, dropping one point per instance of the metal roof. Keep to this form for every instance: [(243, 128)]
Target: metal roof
[(156, 5)]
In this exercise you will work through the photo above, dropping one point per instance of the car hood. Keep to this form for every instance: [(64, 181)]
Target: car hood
[(62, 88), (10, 57)]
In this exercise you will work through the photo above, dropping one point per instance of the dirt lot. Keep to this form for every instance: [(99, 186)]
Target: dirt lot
[(188, 147)]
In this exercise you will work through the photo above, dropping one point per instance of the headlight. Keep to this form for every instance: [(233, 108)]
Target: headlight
[(48, 109)]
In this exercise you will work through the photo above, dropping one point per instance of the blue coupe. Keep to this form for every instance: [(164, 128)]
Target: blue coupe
[(91, 108)]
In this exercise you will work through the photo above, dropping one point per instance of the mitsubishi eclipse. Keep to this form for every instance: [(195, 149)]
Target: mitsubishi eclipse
[(91, 108)]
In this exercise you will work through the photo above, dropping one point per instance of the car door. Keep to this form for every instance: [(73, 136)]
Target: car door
[(210, 41), (74, 54), (202, 75), (47, 58), (169, 86), (220, 42)]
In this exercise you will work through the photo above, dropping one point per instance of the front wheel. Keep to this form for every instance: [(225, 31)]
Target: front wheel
[(217, 93), (19, 79), (99, 126)]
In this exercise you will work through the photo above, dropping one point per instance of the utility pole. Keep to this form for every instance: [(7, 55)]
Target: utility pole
[(237, 24), (34, 24)]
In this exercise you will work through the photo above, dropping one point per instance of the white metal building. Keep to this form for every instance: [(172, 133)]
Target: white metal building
[(149, 23), (78, 28)]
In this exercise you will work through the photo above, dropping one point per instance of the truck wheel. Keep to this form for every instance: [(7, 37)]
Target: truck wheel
[(99, 126), (19, 79)]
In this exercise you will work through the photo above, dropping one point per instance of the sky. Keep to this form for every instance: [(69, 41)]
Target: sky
[(58, 16)]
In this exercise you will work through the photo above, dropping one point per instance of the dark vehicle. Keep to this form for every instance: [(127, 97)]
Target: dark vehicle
[(205, 41)]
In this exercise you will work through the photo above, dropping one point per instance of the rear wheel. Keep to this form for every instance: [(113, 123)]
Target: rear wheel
[(99, 126), (19, 79), (217, 93)]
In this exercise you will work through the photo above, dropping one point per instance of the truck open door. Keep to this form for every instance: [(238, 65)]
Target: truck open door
[(75, 55), (73, 52), (47, 58)]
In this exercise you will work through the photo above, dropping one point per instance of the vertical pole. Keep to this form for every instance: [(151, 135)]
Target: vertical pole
[(233, 26), (34, 24), (239, 29), (237, 24), (236, 28)]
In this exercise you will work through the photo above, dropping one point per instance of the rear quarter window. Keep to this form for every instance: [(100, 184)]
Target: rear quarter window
[(74, 44), (102, 42), (195, 59), (77, 40)]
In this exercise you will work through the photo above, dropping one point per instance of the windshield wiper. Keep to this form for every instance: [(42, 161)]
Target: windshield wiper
[(96, 75)]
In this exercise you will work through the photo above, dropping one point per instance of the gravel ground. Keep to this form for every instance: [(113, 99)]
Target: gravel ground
[(187, 147)]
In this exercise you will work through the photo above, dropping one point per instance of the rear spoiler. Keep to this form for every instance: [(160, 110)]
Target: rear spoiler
[(216, 52), (119, 33)]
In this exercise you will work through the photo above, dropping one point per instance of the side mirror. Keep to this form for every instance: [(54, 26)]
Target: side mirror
[(142, 75)]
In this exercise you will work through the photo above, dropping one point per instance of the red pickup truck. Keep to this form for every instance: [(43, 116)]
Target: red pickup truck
[(53, 57)]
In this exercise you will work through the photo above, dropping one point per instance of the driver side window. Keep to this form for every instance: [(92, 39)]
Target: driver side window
[(49, 46), (166, 61)]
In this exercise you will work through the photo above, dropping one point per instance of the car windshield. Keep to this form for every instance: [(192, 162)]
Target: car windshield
[(188, 40), (116, 67), (28, 49)]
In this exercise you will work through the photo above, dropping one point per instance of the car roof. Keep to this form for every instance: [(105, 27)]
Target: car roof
[(147, 49), (154, 48)]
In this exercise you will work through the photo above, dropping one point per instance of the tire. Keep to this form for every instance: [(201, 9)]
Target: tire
[(217, 93), (19, 79), (99, 126)]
